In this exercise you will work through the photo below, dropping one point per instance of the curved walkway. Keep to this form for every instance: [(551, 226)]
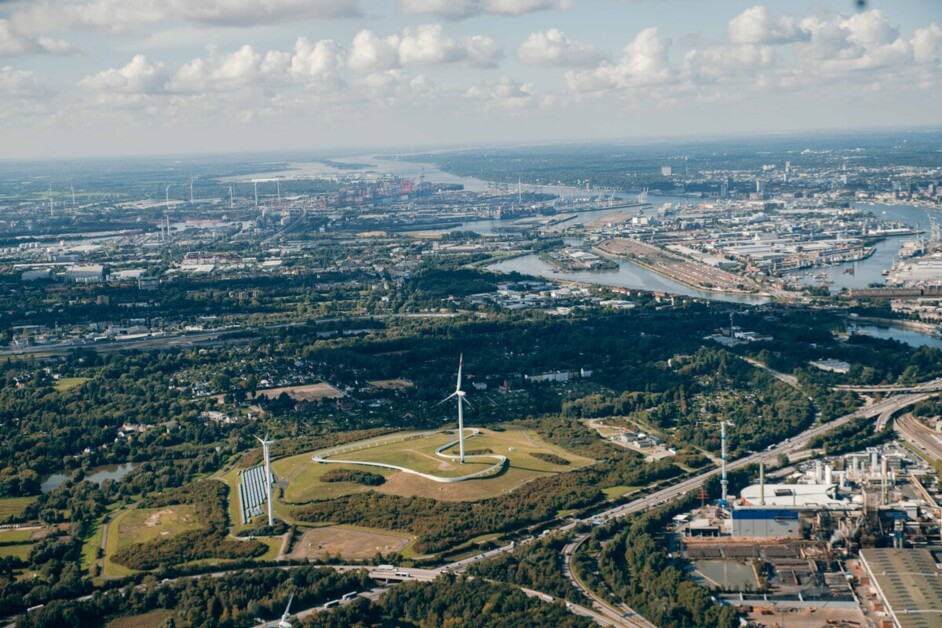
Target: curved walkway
[(491, 470)]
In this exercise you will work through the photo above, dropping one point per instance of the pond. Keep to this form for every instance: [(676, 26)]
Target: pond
[(97, 475)]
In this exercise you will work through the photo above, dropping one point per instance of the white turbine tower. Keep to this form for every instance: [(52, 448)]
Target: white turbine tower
[(167, 193), (265, 443), (230, 197), (191, 190), (284, 623), (461, 401)]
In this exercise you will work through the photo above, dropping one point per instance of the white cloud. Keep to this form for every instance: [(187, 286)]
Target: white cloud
[(428, 45), (14, 43), (20, 84), (422, 45), (244, 68), (863, 41), (458, 9), (121, 15), (506, 93), (370, 53), (724, 63), (139, 76), (756, 26), (645, 63), (395, 88), (319, 61), (554, 49), (927, 44)]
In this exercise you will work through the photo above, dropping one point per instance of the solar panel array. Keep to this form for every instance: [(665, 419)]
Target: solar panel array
[(252, 492)]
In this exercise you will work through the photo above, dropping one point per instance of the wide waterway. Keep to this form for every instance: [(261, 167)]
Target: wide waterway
[(864, 272)]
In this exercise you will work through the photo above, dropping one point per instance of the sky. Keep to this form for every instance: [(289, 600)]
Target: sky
[(154, 77)]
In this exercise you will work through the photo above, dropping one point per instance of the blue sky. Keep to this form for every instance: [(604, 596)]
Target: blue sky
[(112, 77)]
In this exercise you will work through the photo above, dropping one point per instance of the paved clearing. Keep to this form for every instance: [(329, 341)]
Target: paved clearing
[(308, 392), (348, 543)]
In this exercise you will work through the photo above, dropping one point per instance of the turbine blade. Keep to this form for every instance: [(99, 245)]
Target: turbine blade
[(460, 364), (448, 398)]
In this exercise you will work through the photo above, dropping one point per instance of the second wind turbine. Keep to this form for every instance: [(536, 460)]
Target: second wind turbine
[(461, 401)]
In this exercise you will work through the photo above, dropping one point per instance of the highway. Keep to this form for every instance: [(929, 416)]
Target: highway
[(921, 436)]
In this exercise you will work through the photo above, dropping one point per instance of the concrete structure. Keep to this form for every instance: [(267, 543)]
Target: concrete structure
[(758, 522), (89, 273), (803, 496)]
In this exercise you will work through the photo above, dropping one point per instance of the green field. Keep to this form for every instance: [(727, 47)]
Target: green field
[(302, 474), (68, 383), (19, 551), (17, 535), (11, 506), (140, 525), (613, 492)]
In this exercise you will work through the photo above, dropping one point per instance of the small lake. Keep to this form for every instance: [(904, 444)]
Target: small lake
[(97, 475)]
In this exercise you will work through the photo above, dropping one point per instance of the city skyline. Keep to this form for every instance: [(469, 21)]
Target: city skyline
[(99, 78)]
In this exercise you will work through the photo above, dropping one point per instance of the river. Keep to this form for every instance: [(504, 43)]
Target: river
[(865, 272), (870, 270)]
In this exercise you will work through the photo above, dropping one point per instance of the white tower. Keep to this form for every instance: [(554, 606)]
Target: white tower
[(461, 400), (284, 623), (723, 481), (268, 477)]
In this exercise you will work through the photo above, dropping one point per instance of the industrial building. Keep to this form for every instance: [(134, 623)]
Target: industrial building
[(909, 584)]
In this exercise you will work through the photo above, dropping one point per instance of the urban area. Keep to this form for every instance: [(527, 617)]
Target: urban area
[(669, 385)]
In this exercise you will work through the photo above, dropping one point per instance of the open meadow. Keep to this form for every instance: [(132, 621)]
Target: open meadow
[(302, 475)]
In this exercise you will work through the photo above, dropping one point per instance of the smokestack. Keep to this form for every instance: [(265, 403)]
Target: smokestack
[(828, 475), (762, 484), (818, 472), (883, 475)]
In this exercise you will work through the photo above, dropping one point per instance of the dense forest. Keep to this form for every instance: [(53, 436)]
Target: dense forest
[(449, 601)]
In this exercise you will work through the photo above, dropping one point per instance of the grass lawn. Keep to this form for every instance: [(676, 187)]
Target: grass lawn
[(68, 383), (14, 505), (18, 551), (16, 535), (419, 454), (140, 525), (614, 492)]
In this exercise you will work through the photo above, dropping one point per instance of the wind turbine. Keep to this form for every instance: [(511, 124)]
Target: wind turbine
[(284, 623), (265, 443), (230, 197), (167, 193), (460, 394)]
